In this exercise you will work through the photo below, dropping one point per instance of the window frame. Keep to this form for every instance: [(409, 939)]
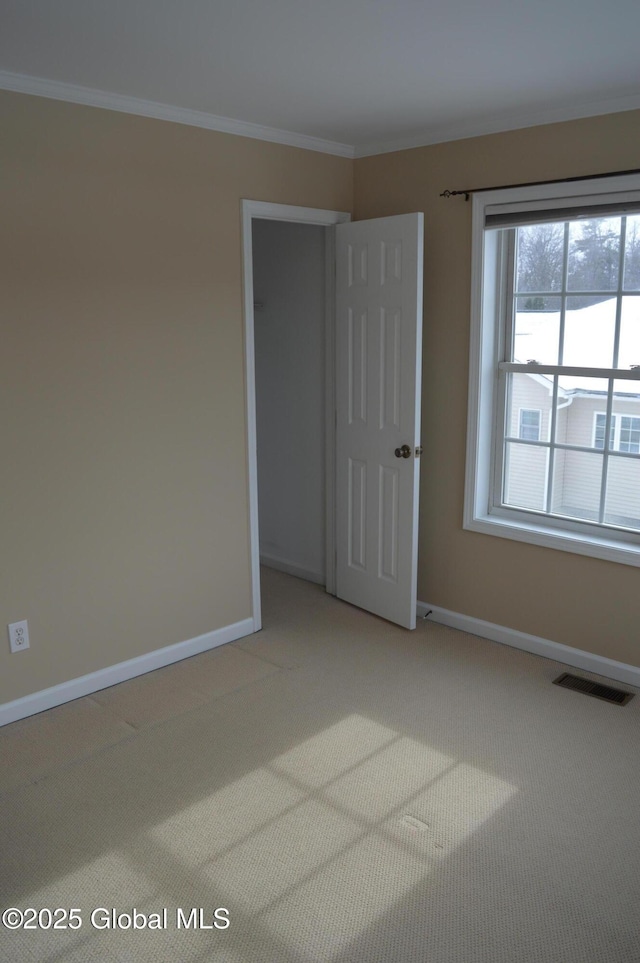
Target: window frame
[(534, 411), (613, 430), (621, 428), (490, 333)]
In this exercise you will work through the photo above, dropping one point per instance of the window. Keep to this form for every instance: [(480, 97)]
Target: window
[(555, 367), (600, 430), (529, 429), (624, 432), (629, 434)]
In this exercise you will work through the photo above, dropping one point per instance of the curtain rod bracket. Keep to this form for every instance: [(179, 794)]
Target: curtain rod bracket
[(467, 194)]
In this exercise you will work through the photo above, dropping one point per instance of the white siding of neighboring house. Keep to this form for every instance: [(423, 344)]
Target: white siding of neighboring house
[(576, 475), (581, 491), (526, 465), (563, 435)]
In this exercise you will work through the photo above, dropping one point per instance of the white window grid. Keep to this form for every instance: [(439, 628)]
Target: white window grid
[(629, 435), (599, 434), (529, 424), (553, 372)]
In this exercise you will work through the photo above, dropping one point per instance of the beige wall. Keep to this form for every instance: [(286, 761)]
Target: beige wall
[(586, 603), (123, 516)]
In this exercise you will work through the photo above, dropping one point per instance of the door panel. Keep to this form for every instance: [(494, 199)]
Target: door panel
[(356, 526), (357, 372), (378, 365)]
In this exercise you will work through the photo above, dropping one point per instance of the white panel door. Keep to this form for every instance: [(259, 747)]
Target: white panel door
[(378, 368)]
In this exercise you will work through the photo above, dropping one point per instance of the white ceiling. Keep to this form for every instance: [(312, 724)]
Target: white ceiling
[(360, 76)]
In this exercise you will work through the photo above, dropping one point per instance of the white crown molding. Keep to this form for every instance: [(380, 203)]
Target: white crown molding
[(91, 97), (502, 123)]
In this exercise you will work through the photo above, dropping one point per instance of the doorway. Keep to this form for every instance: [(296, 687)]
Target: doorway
[(374, 271), (289, 331), (287, 442)]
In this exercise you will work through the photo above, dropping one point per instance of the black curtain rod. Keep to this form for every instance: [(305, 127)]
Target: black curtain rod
[(555, 180)]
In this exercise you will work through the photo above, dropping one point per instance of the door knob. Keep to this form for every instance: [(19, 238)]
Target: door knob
[(404, 452)]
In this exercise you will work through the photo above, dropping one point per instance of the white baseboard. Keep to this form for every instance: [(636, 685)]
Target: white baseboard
[(599, 665), (290, 568), (103, 678)]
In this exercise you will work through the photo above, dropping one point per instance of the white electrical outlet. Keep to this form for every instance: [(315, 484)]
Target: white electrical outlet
[(19, 635)]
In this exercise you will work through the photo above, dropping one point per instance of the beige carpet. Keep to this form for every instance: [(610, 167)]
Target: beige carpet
[(349, 791)]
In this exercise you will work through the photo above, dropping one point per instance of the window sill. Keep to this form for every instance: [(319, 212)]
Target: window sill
[(611, 550)]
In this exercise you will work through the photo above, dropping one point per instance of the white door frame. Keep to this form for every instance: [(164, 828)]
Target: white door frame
[(299, 215)]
